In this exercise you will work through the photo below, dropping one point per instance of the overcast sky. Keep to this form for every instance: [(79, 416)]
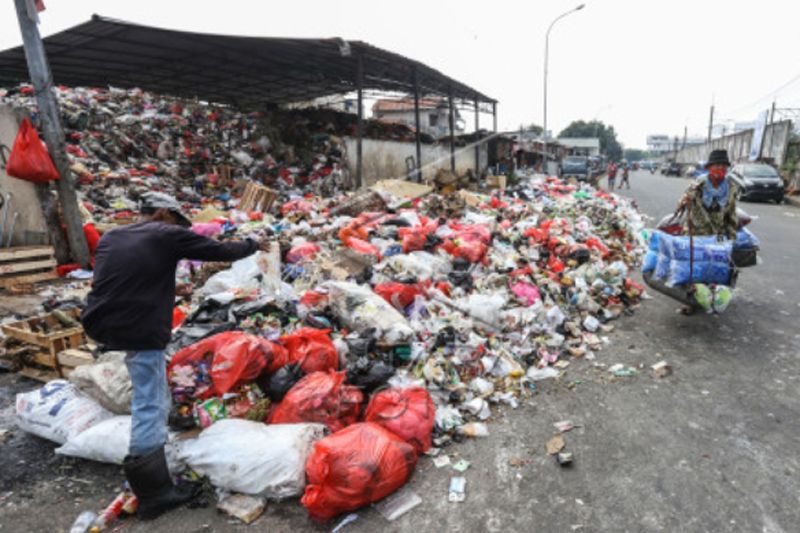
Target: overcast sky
[(643, 66)]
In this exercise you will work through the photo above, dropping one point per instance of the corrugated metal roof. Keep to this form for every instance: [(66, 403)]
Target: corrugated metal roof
[(244, 71)]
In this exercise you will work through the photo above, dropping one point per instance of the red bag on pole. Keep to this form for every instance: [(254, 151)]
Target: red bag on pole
[(29, 159)]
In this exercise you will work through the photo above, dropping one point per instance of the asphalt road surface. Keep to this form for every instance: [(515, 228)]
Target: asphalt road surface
[(713, 447)]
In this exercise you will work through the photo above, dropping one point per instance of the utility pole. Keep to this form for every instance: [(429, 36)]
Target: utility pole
[(710, 122), (50, 118), (683, 146)]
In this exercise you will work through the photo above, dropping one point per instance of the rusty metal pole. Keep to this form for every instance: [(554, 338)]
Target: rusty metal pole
[(50, 117), (416, 127), (477, 141), (360, 128), (451, 123)]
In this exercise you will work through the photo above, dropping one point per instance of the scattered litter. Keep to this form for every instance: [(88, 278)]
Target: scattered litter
[(458, 489), (396, 505), (346, 521), (475, 429), (555, 445), (242, 506), (564, 458), (461, 465), (441, 461), (564, 425), (661, 369)]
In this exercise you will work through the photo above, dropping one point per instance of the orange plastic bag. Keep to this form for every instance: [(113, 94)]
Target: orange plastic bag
[(29, 159), (408, 413), (312, 349), (320, 397), (235, 358), (363, 247), (357, 466)]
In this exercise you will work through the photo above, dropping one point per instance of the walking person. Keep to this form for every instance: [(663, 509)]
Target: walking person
[(625, 175), (130, 309), (611, 170)]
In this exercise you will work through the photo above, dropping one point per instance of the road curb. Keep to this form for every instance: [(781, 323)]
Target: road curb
[(792, 200)]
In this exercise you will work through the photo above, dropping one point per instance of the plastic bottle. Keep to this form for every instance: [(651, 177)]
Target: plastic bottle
[(83, 522), (111, 512)]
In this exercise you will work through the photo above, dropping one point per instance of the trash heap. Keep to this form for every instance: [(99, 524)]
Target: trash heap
[(122, 143), (391, 324)]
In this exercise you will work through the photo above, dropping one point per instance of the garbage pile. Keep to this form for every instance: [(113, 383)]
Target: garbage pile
[(393, 329), (122, 143)]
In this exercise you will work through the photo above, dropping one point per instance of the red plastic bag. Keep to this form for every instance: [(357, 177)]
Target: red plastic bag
[(312, 348), (307, 250), (296, 206), (359, 465), (235, 358), (400, 295), (363, 247), (472, 251), (408, 413), (320, 397), (29, 159)]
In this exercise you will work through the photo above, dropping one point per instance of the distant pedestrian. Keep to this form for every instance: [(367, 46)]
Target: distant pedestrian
[(625, 176), (611, 170)]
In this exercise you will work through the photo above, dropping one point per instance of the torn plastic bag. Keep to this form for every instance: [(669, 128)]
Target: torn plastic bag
[(485, 307), (357, 466), (312, 349), (107, 382), (321, 397), (400, 295), (302, 252), (279, 383), (419, 265), (368, 374), (409, 413), (251, 457), (358, 308), (58, 411), (234, 358), (29, 159)]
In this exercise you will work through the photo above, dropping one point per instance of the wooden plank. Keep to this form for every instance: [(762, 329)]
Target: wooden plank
[(44, 359), (24, 252), (11, 281), (39, 375), (27, 266), (73, 357)]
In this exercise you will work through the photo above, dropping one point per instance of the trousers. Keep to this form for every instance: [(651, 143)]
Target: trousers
[(150, 403)]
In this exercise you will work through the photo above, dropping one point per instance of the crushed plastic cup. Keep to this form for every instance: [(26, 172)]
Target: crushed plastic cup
[(457, 490)]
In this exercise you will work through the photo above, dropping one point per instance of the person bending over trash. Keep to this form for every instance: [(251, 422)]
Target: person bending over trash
[(711, 202), (129, 308)]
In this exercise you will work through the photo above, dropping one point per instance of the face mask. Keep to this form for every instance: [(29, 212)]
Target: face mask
[(717, 173)]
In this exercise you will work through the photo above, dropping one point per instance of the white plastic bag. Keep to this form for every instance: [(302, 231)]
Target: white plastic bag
[(108, 442), (109, 383), (359, 308), (58, 411), (420, 265), (251, 457)]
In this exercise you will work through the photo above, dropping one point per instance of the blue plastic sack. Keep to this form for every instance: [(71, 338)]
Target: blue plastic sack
[(652, 245), (719, 274), (679, 272), (650, 261), (719, 253), (745, 239), (680, 248)]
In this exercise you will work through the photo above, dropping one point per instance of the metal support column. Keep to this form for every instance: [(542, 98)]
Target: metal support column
[(50, 117), (360, 128), (477, 140), (451, 123), (418, 177), (494, 117)]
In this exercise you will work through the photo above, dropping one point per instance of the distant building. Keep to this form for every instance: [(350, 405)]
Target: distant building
[(663, 144), (434, 115), (589, 146)]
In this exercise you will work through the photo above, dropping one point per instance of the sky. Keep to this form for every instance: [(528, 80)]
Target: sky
[(643, 66)]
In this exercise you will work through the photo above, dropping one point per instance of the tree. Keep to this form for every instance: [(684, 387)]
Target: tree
[(634, 154), (533, 128), (608, 137)]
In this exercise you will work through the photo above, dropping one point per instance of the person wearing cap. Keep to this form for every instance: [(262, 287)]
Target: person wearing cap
[(711, 202), (129, 308)]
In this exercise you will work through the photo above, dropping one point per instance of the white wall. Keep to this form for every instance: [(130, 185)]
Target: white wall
[(386, 159), (30, 227)]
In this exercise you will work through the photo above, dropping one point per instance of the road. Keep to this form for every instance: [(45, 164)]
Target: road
[(713, 447)]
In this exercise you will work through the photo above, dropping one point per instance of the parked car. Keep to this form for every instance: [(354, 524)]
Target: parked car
[(671, 169), (757, 181), (576, 167)]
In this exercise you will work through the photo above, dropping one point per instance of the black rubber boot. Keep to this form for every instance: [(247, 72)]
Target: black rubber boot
[(150, 481)]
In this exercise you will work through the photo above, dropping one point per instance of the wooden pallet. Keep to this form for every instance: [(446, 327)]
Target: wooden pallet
[(257, 198), (26, 265), (49, 336)]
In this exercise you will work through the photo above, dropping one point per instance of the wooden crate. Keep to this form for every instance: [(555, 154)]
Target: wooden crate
[(47, 333), (25, 265), (68, 360), (257, 198)]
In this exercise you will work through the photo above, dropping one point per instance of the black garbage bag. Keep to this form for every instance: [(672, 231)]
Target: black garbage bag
[(362, 345), (461, 278), (278, 384), (189, 334), (368, 374)]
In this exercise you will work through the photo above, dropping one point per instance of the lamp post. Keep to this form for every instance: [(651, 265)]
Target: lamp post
[(546, 56)]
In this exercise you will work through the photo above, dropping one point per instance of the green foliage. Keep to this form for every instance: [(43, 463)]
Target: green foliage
[(595, 128), (634, 154), (533, 128)]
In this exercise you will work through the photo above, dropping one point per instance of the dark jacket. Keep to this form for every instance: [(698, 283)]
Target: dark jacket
[(133, 291)]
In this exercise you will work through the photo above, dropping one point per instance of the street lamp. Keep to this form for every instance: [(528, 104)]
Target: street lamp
[(546, 55)]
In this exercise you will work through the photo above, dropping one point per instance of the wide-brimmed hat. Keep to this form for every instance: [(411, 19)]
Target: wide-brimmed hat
[(150, 201), (718, 157)]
